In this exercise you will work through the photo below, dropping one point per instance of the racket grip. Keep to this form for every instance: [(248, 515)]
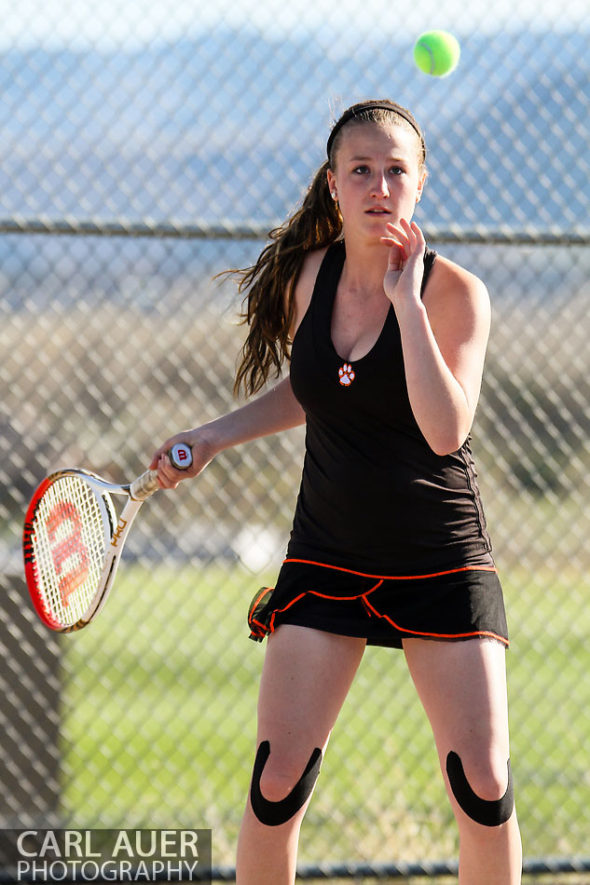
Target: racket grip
[(144, 486)]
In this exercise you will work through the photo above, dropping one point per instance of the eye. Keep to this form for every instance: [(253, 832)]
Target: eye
[(360, 170), (397, 170)]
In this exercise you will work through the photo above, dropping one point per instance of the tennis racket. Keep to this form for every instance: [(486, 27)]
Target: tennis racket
[(72, 540)]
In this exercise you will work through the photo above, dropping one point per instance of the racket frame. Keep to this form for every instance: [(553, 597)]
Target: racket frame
[(115, 536)]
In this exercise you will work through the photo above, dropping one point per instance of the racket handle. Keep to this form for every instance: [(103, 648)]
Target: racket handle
[(144, 486)]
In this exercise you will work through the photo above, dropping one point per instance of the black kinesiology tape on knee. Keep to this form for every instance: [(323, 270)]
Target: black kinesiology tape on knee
[(490, 813), (275, 813)]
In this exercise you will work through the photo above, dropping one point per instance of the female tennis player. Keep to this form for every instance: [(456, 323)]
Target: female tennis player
[(389, 546)]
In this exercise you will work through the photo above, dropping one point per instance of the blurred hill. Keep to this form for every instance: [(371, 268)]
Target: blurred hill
[(232, 125)]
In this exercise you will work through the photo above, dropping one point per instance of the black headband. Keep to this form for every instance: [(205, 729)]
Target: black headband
[(358, 109)]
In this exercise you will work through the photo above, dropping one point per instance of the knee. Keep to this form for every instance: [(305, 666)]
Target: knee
[(278, 777), (280, 787), (482, 786), (488, 776)]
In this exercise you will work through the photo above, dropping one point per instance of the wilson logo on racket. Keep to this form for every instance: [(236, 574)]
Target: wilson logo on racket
[(68, 551)]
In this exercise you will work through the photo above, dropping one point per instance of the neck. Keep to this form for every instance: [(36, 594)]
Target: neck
[(365, 267)]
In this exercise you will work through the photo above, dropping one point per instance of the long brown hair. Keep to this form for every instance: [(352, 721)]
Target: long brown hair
[(270, 283), (267, 311)]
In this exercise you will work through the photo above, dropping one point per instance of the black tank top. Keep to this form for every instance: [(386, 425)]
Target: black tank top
[(374, 496)]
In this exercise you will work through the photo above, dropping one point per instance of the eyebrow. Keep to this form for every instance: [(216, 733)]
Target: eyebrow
[(358, 159)]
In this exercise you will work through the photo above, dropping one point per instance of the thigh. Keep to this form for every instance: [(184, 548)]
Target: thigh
[(462, 686), (305, 678)]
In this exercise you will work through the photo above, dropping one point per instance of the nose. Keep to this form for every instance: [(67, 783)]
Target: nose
[(379, 186)]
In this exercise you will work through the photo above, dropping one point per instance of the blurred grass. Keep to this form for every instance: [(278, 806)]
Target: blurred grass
[(159, 724)]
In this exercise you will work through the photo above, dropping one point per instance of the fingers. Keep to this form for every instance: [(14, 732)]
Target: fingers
[(406, 243), (408, 237), (162, 450), (397, 255), (153, 465), (169, 476)]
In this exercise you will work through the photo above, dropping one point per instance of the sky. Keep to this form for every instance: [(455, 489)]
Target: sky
[(131, 24)]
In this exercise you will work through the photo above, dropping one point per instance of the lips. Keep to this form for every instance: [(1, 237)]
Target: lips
[(378, 210)]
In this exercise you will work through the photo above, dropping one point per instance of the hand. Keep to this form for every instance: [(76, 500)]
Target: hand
[(203, 452), (405, 269)]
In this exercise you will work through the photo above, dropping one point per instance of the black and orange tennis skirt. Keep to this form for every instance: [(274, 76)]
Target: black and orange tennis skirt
[(455, 604)]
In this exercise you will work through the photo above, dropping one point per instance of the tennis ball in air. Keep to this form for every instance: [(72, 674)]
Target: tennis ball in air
[(437, 53)]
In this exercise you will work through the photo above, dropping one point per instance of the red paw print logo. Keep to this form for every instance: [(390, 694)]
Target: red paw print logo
[(346, 374)]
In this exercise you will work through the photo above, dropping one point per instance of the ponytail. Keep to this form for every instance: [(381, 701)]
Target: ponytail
[(270, 284)]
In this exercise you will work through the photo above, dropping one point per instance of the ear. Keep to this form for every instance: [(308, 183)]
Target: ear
[(332, 184), (421, 183)]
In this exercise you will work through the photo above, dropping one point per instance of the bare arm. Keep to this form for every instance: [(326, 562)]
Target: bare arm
[(270, 413), (444, 339)]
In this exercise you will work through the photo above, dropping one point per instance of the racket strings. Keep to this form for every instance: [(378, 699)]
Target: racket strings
[(71, 530)]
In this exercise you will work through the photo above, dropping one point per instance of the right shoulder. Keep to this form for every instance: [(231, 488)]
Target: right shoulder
[(305, 286)]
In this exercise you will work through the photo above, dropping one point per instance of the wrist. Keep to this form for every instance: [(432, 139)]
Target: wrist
[(210, 439), (410, 309)]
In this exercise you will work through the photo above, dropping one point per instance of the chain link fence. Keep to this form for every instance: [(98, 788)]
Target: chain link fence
[(147, 147)]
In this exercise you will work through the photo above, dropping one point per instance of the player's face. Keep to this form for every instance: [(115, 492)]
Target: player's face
[(377, 178)]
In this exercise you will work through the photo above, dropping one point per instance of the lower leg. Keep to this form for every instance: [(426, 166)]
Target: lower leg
[(266, 855), (490, 855), (305, 679), (463, 689), (272, 821), (490, 848)]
